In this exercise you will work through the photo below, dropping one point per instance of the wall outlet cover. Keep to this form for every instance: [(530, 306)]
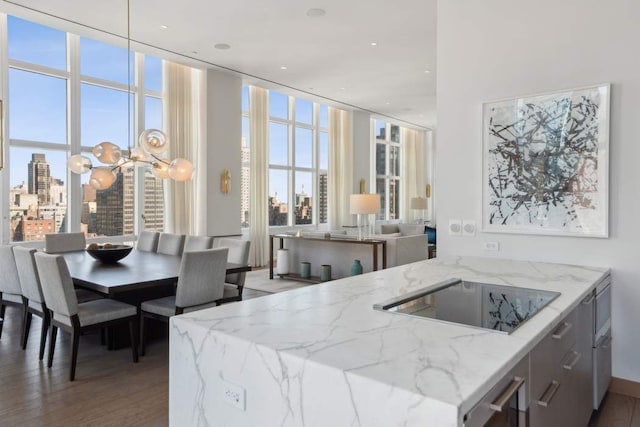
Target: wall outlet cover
[(468, 227), (233, 395), (455, 227), (491, 246)]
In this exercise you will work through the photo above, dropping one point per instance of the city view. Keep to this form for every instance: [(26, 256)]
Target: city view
[(39, 205)]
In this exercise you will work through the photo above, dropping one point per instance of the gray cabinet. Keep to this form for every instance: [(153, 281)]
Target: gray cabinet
[(560, 372)]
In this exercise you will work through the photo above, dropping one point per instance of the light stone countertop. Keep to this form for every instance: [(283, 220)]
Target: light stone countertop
[(321, 354)]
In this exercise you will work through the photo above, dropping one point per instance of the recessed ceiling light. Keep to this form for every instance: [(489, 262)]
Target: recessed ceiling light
[(387, 103), (374, 44), (427, 71), (222, 46), (283, 67), (342, 88), (164, 27), (316, 12)]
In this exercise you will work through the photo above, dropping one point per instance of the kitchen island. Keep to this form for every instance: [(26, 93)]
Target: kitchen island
[(321, 355)]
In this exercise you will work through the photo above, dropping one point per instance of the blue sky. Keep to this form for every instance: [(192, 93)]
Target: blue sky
[(38, 103)]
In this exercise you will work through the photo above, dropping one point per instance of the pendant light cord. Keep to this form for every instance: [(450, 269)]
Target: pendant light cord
[(129, 76)]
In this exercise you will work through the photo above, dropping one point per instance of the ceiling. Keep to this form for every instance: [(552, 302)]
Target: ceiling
[(329, 57)]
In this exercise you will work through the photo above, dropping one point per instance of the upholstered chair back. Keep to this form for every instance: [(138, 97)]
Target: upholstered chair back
[(58, 243), (201, 278), (198, 243), (238, 254), (9, 280), (57, 285), (148, 241), (28, 274), (171, 244)]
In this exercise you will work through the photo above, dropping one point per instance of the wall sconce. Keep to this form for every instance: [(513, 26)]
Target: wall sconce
[(363, 186), (428, 192), (225, 181)]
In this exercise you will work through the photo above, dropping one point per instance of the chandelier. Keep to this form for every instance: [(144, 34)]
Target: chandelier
[(151, 149), (152, 145)]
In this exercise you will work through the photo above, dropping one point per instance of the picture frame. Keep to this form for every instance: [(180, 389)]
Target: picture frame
[(546, 163)]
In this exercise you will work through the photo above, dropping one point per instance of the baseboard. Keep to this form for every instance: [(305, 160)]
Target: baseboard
[(625, 387)]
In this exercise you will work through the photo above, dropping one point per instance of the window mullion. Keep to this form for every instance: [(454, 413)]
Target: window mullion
[(74, 189)]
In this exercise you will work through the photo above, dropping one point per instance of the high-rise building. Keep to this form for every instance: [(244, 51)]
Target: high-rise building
[(322, 199), (88, 193), (114, 206), (153, 215), (39, 178)]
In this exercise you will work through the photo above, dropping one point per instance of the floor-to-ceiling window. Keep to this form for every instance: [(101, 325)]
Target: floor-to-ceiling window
[(298, 161), (387, 168), (66, 94), (245, 153)]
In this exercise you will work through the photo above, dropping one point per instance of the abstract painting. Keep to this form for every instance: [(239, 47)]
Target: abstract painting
[(546, 163)]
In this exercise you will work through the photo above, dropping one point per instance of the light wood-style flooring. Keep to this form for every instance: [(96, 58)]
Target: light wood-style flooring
[(110, 390)]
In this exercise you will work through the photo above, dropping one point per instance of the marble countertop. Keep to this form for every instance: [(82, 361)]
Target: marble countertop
[(328, 337)]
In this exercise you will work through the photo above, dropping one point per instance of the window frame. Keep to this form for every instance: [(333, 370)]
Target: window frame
[(388, 177), (74, 81)]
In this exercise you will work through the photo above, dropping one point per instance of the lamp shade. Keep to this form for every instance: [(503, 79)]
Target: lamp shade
[(107, 152), (154, 141), (102, 178), (364, 203), (181, 169), (418, 203), (79, 163)]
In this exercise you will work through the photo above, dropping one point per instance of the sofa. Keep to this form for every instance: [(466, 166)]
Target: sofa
[(403, 247)]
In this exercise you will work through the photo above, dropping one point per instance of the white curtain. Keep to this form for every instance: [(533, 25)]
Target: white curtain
[(259, 176), (185, 201), (340, 179), (413, 171)]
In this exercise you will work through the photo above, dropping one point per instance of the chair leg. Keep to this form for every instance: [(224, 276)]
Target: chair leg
[(142, 335), (26, 328), (75, 340), (133, 334), (53, 332), (46, 320), (2, 310)]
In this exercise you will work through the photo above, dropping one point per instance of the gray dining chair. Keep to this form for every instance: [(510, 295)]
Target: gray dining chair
[(57, 243), (33, 299), (171, 244), (148, 241), (10, 290), (200, 285), (198, 243), (68, 315), (238, 254)]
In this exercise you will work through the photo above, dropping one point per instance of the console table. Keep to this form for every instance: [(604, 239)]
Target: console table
[(329, 240)]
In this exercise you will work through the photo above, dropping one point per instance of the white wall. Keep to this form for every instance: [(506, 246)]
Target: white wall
[(223, 137), (495, 49)]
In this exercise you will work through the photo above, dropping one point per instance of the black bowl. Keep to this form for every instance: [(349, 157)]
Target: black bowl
[(110, 255)]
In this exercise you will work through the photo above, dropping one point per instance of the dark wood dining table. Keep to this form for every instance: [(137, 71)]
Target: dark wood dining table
[(138, 270)]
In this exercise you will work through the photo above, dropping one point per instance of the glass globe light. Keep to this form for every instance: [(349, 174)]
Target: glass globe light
[(138, 154), (160, 170), (79, 163), (107, 153), (154, 141), (181, 169), (102, 178)]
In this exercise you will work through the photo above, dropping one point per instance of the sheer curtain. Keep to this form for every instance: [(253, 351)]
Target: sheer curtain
[(413, 171), (340, 179), (259, 176), (181, 117)]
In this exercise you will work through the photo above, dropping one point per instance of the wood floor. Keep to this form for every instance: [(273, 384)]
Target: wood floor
[(110, 390)]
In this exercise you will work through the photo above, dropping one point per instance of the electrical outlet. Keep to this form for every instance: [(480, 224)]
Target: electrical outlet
[(491, 246), (233, 395), (455, 227), (468, 227)]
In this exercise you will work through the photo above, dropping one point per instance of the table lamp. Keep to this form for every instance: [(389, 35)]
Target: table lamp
[(364, 205), (419, 204)]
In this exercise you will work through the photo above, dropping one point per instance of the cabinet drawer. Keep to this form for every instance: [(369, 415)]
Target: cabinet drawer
[(547, 357)]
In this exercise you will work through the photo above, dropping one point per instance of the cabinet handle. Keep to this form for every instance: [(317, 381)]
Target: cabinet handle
[(506, 395), (588, 300), (572, 364), (546, 398), (565, 328)]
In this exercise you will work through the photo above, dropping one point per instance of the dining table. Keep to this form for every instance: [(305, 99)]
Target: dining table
[(137, 271)]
